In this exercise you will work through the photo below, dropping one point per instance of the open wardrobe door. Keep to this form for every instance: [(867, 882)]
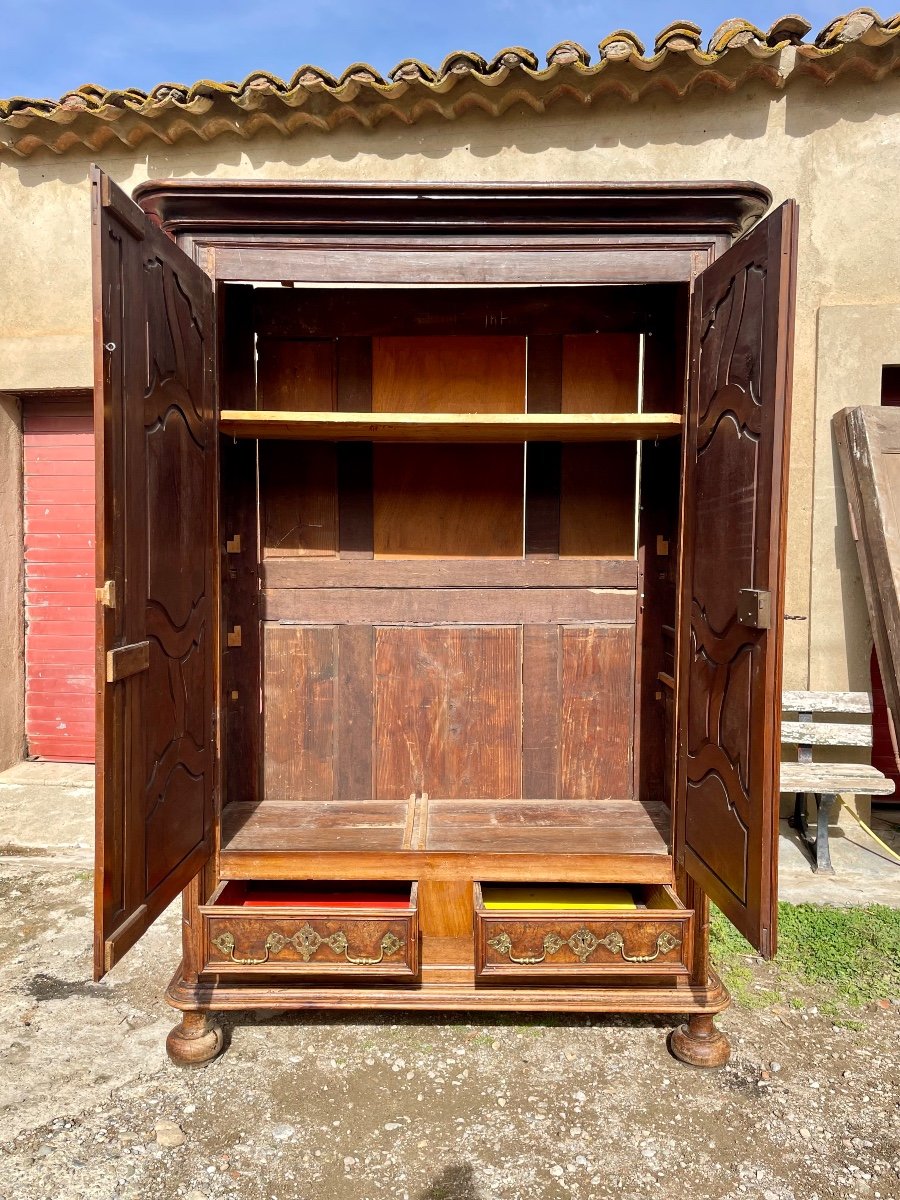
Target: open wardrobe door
[(732, 574), (155, 426)]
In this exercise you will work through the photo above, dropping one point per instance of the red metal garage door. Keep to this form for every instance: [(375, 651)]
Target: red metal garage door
[(59, 578)]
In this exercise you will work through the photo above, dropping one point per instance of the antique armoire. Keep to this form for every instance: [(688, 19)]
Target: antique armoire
[(440, 551)]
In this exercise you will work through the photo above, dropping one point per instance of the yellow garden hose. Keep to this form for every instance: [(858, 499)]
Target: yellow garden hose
[(873, 836)]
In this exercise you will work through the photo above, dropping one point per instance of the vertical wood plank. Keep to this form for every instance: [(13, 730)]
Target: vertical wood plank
[(543, 459), (354, 713), (448, 501), (239, 571), (354, 459), (298, 712), (298, 481), (600, 373), (540, 712), (446, 907), (544, 375), (597, 712), (664, 360), (295, 374), (437, 501), (448, 712), (448, 374)]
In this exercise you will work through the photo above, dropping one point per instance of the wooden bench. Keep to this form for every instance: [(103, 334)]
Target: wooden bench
[(826, 780)]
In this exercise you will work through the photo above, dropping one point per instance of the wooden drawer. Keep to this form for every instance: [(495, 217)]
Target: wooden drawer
[(654, 938), (369, 929)]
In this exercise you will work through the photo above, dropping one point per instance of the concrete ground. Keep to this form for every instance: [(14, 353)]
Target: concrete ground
[(362, 1106)]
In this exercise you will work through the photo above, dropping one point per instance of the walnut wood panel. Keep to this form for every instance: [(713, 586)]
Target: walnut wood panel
[(444, 606), (369, 830), (371, 942), (298, 483), (156, 471), (448, 705), (543, 459), (465, 428), (354, 460), (735, 478), (660, 477), (618, 842), (299, 718), (596, 711), (448, 374), (239, 688), (537, 312), (656, 940), (446, 501), (667, 994), (600, 373), (503, 215), (295, 374), (354, 720), (540, 711), (445, 910), (457, 573), (504, 264)]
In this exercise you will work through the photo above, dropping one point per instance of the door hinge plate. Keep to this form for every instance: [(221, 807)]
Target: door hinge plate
[(754, 608), (106, 595)]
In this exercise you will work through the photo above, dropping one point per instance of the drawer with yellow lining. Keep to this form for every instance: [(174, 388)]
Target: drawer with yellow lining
[(548, 930), (274, 928)]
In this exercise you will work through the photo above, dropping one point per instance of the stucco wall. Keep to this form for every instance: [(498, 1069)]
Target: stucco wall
[(12, 615), (836, 149)]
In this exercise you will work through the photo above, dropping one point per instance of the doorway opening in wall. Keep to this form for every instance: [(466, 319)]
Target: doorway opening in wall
[(58, 555)]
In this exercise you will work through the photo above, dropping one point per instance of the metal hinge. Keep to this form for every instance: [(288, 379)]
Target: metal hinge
[(106, 595), (754, 608)]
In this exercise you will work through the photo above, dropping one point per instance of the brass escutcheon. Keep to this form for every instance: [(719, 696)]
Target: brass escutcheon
[(582, 943), (307, 942)]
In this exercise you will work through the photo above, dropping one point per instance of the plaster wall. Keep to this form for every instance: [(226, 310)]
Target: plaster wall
[(12, 614), (836, 150)]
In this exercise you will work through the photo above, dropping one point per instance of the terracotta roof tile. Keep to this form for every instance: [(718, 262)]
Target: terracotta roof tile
[(859, 42)]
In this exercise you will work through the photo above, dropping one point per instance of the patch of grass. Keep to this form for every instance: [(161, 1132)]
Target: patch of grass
[(853, 952), (483, 1039)]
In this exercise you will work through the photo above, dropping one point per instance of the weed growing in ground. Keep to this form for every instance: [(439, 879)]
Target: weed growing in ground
[(852, 953)]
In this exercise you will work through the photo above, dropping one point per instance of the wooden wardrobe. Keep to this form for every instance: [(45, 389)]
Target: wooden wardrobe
[(440, 551)]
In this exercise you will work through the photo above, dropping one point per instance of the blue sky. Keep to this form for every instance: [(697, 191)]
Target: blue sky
[(51, 46)]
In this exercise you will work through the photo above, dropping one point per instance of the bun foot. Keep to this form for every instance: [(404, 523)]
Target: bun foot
[(195, 1040), (699, 1043)]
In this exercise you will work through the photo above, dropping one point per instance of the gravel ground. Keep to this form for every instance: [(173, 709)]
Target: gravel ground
[(363, 1106)]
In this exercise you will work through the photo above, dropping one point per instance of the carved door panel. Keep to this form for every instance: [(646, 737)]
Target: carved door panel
[(156, 463), (732, 572)]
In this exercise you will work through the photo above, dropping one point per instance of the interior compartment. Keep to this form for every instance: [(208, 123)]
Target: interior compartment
[(651, 932), (299, 927), (556, 897), (625, 899), (619, 841), (462, 621), (313, 894)]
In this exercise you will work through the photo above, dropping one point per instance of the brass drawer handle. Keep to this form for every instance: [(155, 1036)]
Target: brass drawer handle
[(307, 942), (225, 943), (582, 943)]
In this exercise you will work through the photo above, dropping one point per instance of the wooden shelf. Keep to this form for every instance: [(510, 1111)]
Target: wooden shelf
[(449, 427), (608, 841)]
